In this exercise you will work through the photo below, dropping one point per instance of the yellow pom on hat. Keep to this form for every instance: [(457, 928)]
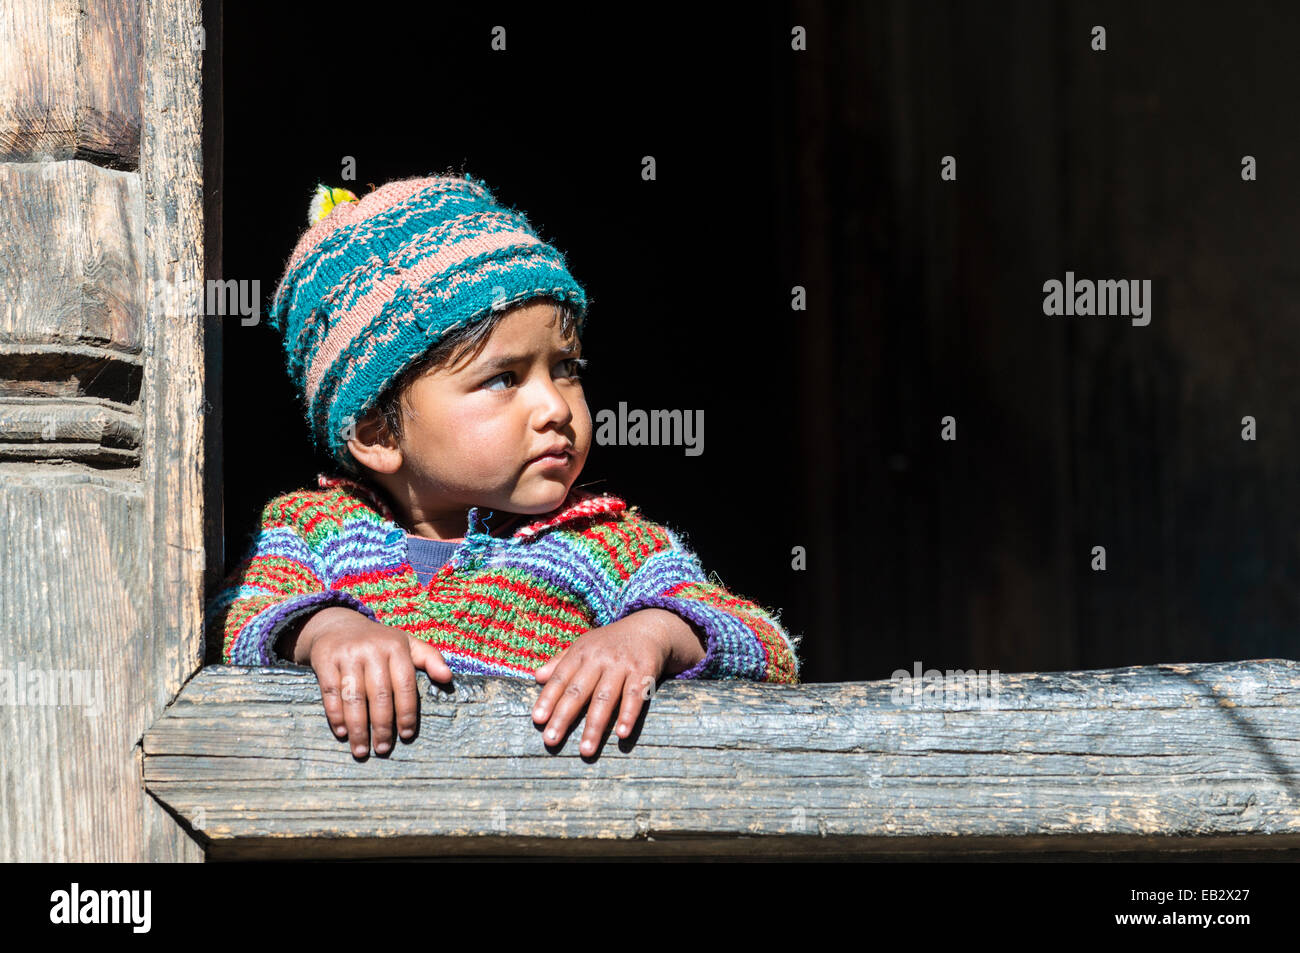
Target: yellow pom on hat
[(324, 201)]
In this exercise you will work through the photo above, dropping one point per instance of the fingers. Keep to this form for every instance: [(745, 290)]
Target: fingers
[(551, 693), (406, 696), (546, 700), (543, 673), (568, 689), (602, 691), (331, 693), (608, 693), (636, 692), (368, 685), (379, 689), (425, 656), (575, 686), (352, 690)]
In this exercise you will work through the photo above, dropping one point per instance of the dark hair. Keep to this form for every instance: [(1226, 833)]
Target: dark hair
[(448, 353)]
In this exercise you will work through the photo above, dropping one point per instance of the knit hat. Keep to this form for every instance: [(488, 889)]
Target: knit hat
[(376, 282)]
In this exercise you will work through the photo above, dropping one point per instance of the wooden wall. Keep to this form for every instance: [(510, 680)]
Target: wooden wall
[(101, 426)]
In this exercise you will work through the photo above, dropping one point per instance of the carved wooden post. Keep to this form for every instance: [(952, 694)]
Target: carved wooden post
[(101, 416)]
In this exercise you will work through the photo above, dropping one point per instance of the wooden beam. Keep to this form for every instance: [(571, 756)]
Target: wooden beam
[(71, 70), (100, 362), (172, 460), (1160, 759), (43, 429), (74, 614), (71, 274)]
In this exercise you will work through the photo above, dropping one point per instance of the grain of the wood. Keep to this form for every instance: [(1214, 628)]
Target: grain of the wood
[(101, 344), (696, 849), (72, 600), (53, 421), (60, 452), (172, 460), (71, 274), (1172, 757), (72, 593), (71, 72)]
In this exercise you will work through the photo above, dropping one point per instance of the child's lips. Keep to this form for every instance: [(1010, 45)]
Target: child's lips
[(560, 459)]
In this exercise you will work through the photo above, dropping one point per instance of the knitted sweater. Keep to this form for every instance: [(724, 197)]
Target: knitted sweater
[(500, 605)]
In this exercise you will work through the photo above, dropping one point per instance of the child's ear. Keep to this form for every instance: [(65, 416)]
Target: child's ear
[(374, 445)]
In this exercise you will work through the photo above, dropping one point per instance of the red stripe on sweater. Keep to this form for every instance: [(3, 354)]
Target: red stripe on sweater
[(283, 576), (491, 624), (453, 629), (657, 542), (533, 593), (401, 616), (594, 534), (620, 530)]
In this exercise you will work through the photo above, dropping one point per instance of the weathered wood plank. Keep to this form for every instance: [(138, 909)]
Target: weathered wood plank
[(101, 364), (71, 70), (74, 606), (71, 273), (44, 429), (172, 458), (1171, 757)]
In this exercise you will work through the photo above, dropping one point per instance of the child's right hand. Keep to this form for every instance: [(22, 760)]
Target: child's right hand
[(364, 665)]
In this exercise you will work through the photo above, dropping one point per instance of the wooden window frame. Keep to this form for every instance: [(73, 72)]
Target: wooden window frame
[(1150, 762)]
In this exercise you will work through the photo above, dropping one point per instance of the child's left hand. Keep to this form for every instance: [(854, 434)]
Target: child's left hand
[(619, 662)]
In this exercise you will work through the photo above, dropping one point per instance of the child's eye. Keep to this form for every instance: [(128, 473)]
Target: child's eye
[(575, 366)]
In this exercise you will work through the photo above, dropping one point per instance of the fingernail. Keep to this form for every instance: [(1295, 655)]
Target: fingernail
[(407, 733), (552, 735), (359, 750)]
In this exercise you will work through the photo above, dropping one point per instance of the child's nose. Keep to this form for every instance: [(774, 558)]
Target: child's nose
[(553, 403)]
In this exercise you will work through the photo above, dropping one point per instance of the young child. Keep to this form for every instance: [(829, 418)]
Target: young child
[(435, 340)]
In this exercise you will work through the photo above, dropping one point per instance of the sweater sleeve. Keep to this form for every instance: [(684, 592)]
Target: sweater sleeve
[(279, 580), (745, 641)]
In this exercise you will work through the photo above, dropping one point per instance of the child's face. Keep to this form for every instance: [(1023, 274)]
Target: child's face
[(471, 434)]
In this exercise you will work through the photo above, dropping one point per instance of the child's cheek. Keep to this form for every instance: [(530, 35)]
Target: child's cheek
[(582, 424), (469, 423)]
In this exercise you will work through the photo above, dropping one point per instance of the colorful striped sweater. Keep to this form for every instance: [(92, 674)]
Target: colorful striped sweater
[(500, 605)]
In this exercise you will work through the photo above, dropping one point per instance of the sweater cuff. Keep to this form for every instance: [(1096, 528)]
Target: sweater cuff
[(733, 650), (256, 644)]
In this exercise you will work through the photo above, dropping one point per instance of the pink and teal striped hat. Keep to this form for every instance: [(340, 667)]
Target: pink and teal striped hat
[(376, 282)]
